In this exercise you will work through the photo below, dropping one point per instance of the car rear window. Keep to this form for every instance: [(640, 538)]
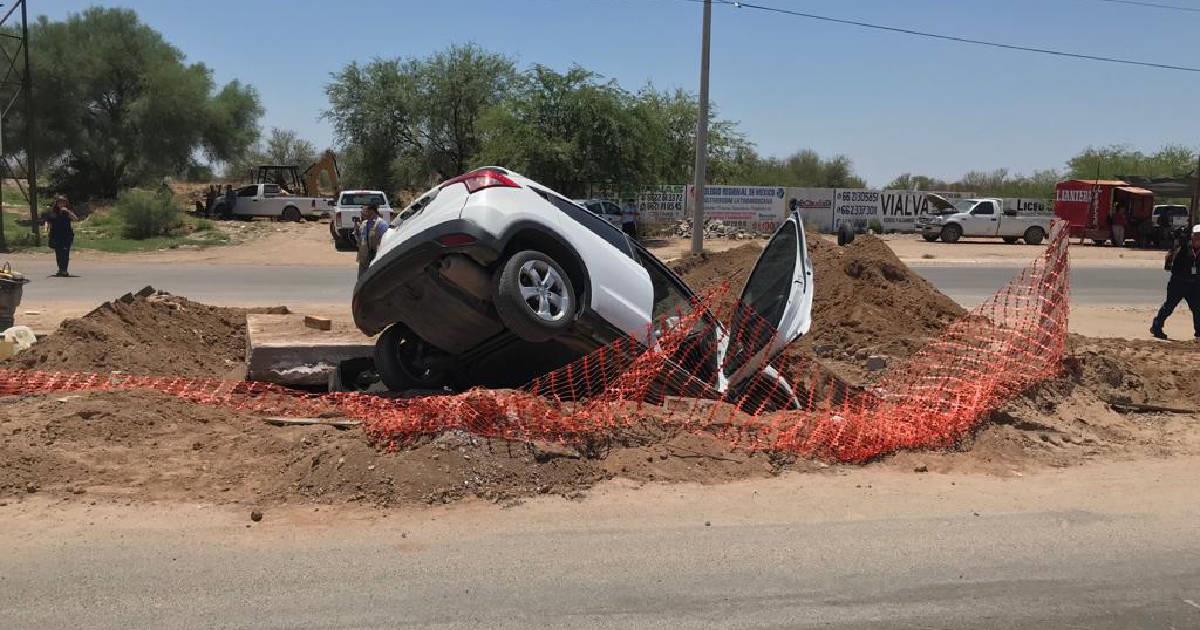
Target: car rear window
[(362, 199)]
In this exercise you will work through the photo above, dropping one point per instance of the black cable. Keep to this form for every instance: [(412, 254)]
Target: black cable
[(950, 38), (1153, 5)]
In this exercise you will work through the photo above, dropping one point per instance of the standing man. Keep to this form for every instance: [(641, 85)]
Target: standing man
[(62, 235), (210, 199), (1117, 220), (369, 232), (1184, 264), (629, 213)]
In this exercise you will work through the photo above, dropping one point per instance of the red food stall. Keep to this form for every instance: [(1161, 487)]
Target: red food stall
[(1090, 207)]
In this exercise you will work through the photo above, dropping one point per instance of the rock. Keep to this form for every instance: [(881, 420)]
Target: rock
[(546, 451), (708, 523), (146, 291), (876, 363), (31, 487), (256, 516), (921, 469)]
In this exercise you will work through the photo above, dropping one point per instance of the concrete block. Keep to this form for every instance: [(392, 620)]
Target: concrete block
[(282, 349), (318, 323)]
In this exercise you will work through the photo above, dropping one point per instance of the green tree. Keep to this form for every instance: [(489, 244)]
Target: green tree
[(405, 121), (568, 130), (282, 146), (1115, 161), (118, 106), (997, 183)]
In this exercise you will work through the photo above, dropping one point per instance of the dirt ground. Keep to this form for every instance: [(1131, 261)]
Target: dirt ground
[(1116, 400), (274, 243)]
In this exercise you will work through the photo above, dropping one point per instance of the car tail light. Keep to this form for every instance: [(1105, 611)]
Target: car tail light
[(476, 181), (455, 240)]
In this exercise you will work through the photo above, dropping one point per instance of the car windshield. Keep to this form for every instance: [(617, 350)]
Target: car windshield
[(362, 199)]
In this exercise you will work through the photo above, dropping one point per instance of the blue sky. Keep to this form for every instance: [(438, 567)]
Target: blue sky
[(890, 102)]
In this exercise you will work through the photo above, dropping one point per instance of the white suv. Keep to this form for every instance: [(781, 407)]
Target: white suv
[(493, 279), (348, 211)]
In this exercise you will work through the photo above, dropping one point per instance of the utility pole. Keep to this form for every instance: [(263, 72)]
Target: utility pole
[(30, 148), (701, 138)]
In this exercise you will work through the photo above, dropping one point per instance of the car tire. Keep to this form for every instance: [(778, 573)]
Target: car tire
[(342, 244), (845, 234), (1034, 236), (398, 357), (1099, 242), (1010, 240), (930, 238), (534, 296), (291, 214), (951, 233)]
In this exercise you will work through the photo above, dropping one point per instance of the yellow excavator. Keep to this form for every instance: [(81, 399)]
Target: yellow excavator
[(312, 175)]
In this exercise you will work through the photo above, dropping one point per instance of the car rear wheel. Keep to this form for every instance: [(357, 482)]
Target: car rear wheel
[(291, 213), (951, 233), (534, 296), (930, 237), (1034, 236), (405, 362)]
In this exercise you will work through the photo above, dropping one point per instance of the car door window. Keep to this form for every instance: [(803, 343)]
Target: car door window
[(271, 190), (984, 208), (591, 221), (248, 191), (771, 287)]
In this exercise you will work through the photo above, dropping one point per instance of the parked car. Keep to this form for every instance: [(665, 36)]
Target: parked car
[(491, 279), (270, 200), (348, 211), (981, 218), (1165, 221), (603, 207)]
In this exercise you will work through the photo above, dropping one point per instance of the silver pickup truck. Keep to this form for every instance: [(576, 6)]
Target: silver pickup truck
[(981, 218)]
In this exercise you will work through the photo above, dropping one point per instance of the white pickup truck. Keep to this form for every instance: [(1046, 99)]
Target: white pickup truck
[(981, 218), (348, 211), (270, 200)]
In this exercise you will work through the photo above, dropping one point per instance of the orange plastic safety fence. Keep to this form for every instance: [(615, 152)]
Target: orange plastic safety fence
[(1010, 342)]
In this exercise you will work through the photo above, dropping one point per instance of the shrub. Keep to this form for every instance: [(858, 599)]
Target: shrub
[(204, 225), (876, 227), (146, 215)]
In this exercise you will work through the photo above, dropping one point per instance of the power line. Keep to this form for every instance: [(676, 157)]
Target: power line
[(951, 38), (1152, 5)]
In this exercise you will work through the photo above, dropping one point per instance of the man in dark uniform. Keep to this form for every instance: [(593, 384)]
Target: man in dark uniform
[(1184, 264)]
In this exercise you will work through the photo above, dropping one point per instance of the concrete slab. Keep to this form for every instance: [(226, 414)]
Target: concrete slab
[(282, 350)]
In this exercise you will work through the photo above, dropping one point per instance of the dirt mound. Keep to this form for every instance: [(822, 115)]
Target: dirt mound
[(865, 302), (1116, 399), (145, 446), (148, 333)]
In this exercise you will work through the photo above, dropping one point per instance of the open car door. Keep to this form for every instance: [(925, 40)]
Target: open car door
[(775, 307)]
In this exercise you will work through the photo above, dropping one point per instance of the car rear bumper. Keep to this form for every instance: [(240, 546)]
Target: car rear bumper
[(407, 284)]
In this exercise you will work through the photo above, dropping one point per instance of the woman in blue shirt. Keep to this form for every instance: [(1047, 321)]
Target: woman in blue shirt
[(62, 235)]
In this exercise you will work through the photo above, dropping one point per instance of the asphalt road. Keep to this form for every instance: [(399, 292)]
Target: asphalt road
[(869, 551), (269, 285)]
